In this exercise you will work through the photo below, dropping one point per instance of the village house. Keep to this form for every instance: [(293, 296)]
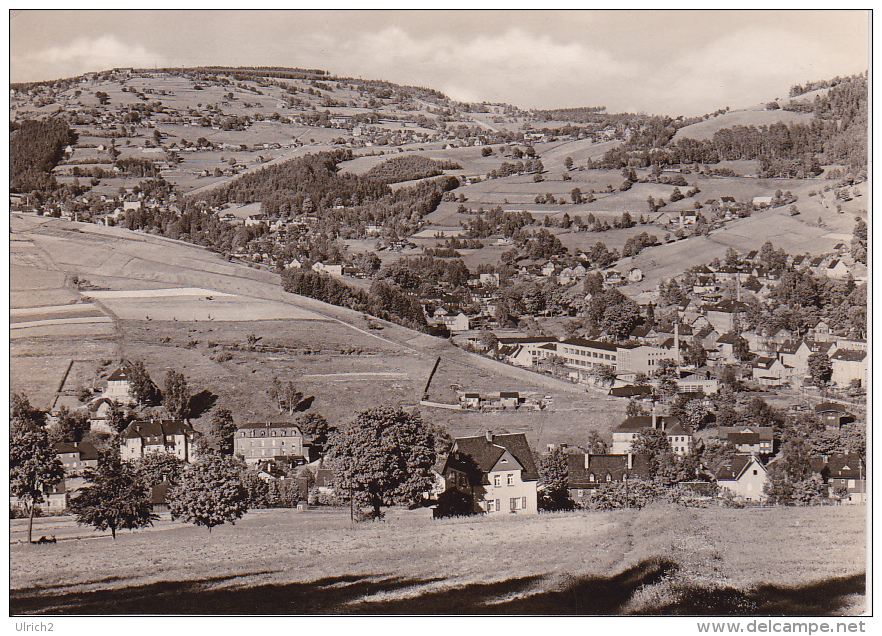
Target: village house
[(328, 268), (158, 436), (76, 457), (496, 471), (118, 387), (849, 365), (679, 437), (586, 472), (758, 440), (770, 372), (744, 476), (722, 315), (845, 475), (268, 440)]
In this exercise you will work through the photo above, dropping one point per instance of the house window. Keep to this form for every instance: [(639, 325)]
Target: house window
[(608, 477), (524, 502), (497, 481), (514, 503), (580, 493), (590, 476), (755, 472), (498, 505), (509, 479), (490, 507)]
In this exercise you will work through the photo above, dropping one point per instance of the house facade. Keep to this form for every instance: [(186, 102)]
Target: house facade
[(586, 472), (745, 476), (158, 436), (679, 437), (268, 440), (119, 388), (849, 365), (496, 471), (757, 440)]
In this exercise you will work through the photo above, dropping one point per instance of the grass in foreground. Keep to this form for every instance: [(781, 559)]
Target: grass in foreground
[(661, 560)]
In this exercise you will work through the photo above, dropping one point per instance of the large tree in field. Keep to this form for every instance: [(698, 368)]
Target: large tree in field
[(117, 497), (210, 493), (176, 397), (34, 467), (384, 456)]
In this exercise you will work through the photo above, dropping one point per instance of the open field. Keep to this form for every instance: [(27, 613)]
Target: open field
[(755, 117), (138, 269), (659, 560)]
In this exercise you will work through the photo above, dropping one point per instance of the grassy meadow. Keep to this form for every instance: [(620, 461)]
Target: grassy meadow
[(660, 560)]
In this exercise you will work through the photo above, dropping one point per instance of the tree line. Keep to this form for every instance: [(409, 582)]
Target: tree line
[(383, 301), (35, 148)]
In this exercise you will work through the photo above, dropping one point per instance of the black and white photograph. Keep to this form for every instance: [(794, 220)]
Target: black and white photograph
[(409, 313)]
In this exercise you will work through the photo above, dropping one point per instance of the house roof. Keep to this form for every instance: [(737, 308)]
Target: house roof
[(728, 306), (732, 470), (87, 451), (764, 363), (827, 407), (578, 475), (271, 425), (118, 374), (839, 466), (592, 344), (509, 394), (525, 340), (485, 453), (765, 433), (63, 448), (639, 423), (847, 355), (157, 428), (630, 391)]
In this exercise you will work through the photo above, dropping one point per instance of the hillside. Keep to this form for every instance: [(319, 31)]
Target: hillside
[(751, 117), (179, 306)]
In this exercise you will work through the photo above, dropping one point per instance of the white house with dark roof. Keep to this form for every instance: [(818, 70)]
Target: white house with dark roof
[(119, 389), (496, 471), (849, 365), (745, 476)]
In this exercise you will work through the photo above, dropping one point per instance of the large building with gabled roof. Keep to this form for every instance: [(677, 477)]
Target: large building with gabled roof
[(268, 440), (496, 471), (143, 437)]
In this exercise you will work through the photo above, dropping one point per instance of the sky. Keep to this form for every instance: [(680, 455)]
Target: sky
[(660, 62)]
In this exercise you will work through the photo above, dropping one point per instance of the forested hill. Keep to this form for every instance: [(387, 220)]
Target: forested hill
[(35, 148), (312, 185), (837, 134)]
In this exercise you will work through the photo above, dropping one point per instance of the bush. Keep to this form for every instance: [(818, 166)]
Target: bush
[(453, 503)]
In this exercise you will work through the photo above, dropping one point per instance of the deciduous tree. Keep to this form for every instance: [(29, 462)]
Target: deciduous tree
[(210, 493), (117, 497), (384, 456), (34, 467), (553, 471), (176, 396)]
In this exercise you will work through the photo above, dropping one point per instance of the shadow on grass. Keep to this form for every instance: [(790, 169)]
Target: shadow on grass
[(352, 595)]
